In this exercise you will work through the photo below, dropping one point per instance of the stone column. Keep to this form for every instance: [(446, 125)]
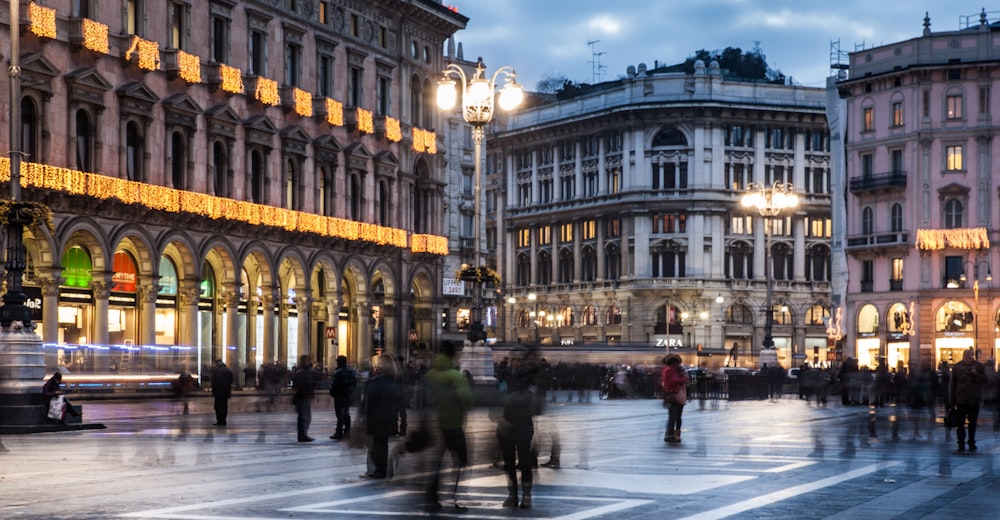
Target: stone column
[(303, 305), (50, 307), (267, 342), (102, 292)]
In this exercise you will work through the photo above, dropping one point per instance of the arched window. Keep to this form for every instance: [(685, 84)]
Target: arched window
[(739, 314), (178, 160), (782, 314), (896, 218), (669, 137), (429, 100), (589, 316), (565, 266), (614, 315), (544, 268), (867, 221), (612, 262), (523, 274), (817, 315), (818, 264), (739, 261), (954, 214), (668, 320), (84, 142), (133, 152), (782, 262), (588, 264)]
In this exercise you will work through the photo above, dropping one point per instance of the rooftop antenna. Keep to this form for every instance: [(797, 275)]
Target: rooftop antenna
[(596, 69)]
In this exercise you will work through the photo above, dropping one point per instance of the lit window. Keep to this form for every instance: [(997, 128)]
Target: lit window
[(954, 158), (868, 117), (954, 107), (897, 113)]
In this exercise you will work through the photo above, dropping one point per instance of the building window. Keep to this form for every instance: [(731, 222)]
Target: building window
[(867, 165), (782, 262), (741, 225), (178, 160), (669, 264), (817, 180), (544, 273), (670, 176), (566, 233), (355, 84), (897, 113), (896, 218), (737, 176), (867, 221), (953, 106), (896, 276), (220, 169), (133, 151), (867, 275), (524, 238), (590, 183), (566, 266), (544, 235), (324, 77), (984, 100), (613, 227), (868, 119), (84, 141), (612, 262), (739, 262), (293, 64), (818, 264), (588, 265), (291, 184), (954, 214), (523, 270), (384, 101), (133, 17), (220, 39), (257, 175), (896, 162), (258, 53), (179, 25), (588, 230), (953, 156), (614, 181), (954, 267)]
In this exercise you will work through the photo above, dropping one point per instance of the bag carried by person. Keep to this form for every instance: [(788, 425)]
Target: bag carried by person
[(951, 418), (57, 408), (678, 397)]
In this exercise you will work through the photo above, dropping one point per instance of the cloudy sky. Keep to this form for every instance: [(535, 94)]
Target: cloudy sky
[(541, 38)]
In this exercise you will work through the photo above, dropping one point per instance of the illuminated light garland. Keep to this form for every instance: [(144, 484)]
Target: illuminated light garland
[(95, 36), (962, 238), (392, 130), (161, 198), (430, 142), (189, 66), (232, 79), (303, 103), (366, 121), (148, 51), (43, 21), (267, 92), (334, 112), (429, 244), (418, 140)]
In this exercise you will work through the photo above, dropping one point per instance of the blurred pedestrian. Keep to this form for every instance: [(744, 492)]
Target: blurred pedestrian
[(965, 394), (304, 385), (342, 386), (515, 428), (383, 394), (674, 381), (222, 390), (451, 396)]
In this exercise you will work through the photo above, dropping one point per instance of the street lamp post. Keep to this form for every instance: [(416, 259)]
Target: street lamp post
[(533, 298), (769, 201), (478, 94), (975, 299)]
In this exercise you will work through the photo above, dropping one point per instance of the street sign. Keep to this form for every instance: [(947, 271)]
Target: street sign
[(331, 333)]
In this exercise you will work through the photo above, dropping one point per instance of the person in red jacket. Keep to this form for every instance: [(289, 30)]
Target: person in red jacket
[(674, 382)]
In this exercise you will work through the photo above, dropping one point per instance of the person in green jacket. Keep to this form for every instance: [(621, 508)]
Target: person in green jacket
[(451, 397)]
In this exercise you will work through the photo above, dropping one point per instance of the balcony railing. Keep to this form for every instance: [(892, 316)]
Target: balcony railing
[(867, 285), (882, 181), (881, 240)]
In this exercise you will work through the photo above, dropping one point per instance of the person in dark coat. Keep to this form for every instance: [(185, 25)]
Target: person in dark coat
[(342, 385), (383, 394), (304, 384), (52, 389), (222, 390), (965, 393), (515, 429)]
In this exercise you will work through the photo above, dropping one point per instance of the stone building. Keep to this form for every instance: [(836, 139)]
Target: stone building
[(922, 194), (619, 219), (251, 180)]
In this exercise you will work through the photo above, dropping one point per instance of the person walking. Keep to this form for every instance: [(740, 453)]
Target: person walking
[(342, 385), (452, 397), (222, 390), (304, 386), (965, 393), (515, 428), (381, 402), (674, 382)]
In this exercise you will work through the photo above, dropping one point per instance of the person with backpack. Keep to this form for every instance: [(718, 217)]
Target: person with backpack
[(342, 385)]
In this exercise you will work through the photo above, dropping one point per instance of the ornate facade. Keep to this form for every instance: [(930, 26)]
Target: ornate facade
[(620, 213), (250, 180), (922, 198)]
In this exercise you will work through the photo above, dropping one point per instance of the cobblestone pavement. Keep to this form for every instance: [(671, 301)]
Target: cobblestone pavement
[(753, 459)]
